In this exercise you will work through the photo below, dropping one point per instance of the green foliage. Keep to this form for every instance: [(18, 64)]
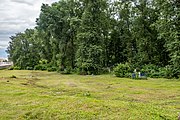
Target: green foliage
[(90, 35), (105, 70), (89, 68), (43, 61), (51, 69), (122, 70), (24, 49), (29, 68), (168, 28), (150, 68), (67, 70), (40, 67), (90, 38), (16, 68), (172, 72), (154, 71)]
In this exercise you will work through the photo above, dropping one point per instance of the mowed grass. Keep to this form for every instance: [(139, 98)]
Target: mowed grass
[(40, 95)]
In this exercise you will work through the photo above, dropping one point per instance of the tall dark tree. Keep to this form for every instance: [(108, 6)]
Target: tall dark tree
[(24, 49), (168, 26), (58, 23), (121, 41), (148, 49), (90, 37)]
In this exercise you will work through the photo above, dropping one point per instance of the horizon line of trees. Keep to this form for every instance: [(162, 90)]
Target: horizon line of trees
[(92, 35)]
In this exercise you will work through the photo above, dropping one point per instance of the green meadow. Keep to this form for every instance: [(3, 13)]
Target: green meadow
[(41, 95)]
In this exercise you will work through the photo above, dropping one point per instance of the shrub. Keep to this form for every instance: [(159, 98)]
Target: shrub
[(162, 72), (43, 61), (29, 68), (122, 70), (88, 68), (40, 67), (105, 71), (155, 75), (154, 71), (81, 71), (172, 72), (51, 69), (67, 70), (16, 68), (150, 69)]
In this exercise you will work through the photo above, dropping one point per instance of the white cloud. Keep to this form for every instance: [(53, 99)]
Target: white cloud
[(17, 15), (29, 2)]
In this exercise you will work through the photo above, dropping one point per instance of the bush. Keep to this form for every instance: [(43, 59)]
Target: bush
[(29, 68), (155, 75), (122, 70), (51, 69), (88, 68), (172, 72), (150, 69), (81, 71), (162, 72), (154, 71), (105, 71), (67, 70), (16, 68), (40, 67), (43, 61)]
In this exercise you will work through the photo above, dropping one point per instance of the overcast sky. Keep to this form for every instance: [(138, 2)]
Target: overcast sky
[(16, 16)]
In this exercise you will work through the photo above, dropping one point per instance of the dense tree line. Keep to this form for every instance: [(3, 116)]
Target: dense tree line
[(90, 36)]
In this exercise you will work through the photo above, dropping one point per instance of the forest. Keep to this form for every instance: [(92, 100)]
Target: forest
[(98, 36)]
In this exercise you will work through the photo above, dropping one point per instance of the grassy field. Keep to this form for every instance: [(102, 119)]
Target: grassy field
[(41, 95)]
